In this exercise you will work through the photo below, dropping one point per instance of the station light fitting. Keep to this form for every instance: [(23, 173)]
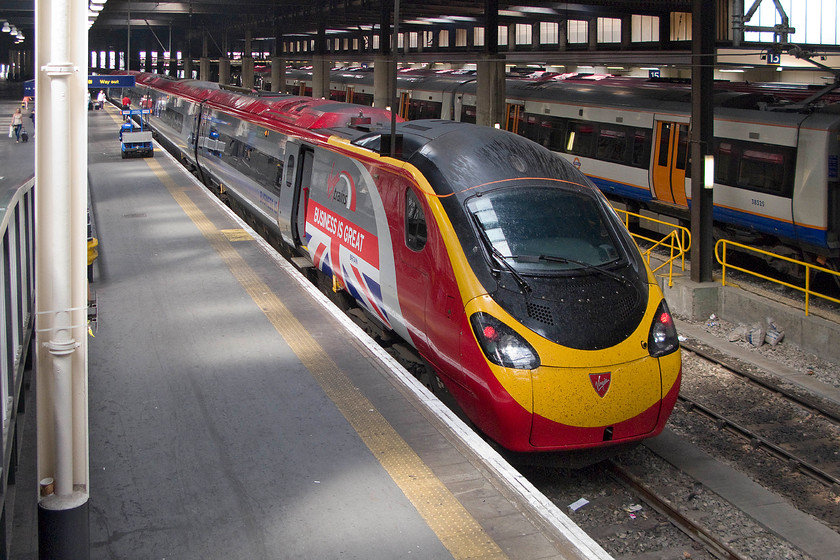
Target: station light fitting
[(6, 28), (709, 171)]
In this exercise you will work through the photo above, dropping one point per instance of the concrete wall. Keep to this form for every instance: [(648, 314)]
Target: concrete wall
[(697, 302)]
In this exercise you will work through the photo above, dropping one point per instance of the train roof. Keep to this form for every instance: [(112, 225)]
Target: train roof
[(290, 110), (465, 159)]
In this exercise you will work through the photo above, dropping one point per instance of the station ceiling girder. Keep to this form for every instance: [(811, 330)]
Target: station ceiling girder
[(298, 17)]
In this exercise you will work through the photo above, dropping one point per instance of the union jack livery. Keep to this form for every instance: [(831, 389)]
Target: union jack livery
[(500, 269)]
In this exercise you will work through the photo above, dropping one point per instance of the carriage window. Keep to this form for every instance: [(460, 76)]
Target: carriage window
[(761, 170), (612, 143), (755, 166), (579, 139), (641, 148), (415, 222), (723, 162)]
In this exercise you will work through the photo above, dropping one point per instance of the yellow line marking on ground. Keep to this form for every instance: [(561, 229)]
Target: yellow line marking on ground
[(237, 235), (457, 530)]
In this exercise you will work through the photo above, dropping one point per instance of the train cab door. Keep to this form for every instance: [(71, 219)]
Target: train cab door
[(669, 161), (412, 259), (513, 115), (294, 194)]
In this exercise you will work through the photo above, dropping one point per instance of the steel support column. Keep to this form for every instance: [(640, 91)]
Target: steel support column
[(490, 84), (702, 134)]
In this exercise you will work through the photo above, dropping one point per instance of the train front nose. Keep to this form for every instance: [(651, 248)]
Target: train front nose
[(582, 407)]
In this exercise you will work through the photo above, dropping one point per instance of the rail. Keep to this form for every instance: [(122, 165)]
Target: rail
[(721, 246), (677, 242), (17, 303)]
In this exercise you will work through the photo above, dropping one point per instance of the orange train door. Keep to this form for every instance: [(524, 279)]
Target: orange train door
[(670, 161), (405, 104), (513, 113)]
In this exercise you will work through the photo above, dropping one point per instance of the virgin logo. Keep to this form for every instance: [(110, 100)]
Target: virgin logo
[(601, 382)]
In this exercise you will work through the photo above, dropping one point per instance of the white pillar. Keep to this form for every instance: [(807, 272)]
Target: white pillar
[(60, 270)]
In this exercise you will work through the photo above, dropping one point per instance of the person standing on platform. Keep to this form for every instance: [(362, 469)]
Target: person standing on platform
[(17, 122), (126, 105), (100, 99)]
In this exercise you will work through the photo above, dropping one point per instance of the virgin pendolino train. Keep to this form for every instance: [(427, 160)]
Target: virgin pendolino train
[(501, 265), (777, 161)]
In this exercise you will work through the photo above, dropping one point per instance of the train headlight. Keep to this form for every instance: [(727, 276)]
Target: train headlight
[(501, 344), (662, 339)]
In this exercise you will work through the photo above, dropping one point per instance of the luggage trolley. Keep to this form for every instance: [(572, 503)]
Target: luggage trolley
[(136, 137)]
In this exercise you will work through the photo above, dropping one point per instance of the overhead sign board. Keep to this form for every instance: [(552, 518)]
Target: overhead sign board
[(121, 81)]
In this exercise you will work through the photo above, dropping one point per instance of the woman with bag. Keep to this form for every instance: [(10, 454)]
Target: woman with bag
[(14, 126)]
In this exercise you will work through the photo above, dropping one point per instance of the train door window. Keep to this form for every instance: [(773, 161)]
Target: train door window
[(415, 222), (579, 138), (290, 166), (664, 143), (683, 156), (612, 144), (278, 177)]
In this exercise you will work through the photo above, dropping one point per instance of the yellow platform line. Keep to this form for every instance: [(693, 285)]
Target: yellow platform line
[(457, 530)]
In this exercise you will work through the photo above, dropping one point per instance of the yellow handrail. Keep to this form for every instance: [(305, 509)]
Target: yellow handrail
[(722, 245), (677, 242)]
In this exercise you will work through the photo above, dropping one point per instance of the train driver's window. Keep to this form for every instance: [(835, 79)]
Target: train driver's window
[(290, 169), (415, 222)]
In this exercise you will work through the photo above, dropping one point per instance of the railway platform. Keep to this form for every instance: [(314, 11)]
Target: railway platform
[(233, 414)]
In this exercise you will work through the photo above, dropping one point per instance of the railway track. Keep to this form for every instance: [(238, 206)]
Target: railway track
[(796, 427)]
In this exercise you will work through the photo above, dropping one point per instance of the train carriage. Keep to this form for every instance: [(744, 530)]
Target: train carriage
[(501, 265)]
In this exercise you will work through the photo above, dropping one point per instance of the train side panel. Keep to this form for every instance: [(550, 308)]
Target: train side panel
[(815, 196)]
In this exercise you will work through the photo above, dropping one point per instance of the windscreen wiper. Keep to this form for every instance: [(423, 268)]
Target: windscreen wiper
[(500, 258), (584, 265)]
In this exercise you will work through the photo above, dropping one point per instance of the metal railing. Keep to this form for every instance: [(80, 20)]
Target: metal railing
[(722, 245), (17, 303), (676, 243)]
